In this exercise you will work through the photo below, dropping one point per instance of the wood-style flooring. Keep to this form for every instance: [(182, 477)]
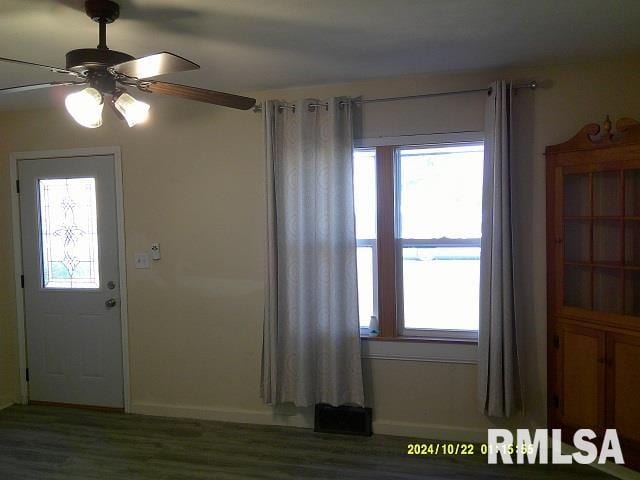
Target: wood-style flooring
[(38, 442)]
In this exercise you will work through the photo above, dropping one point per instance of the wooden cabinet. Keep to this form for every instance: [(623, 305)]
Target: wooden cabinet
[(593, 248)]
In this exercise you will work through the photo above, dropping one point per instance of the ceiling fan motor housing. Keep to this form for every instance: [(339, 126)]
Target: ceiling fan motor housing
[(102, 10), (93, 63), (83, 59)]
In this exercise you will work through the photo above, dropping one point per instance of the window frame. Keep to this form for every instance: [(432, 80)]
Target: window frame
[(373, 244), (388, 248)]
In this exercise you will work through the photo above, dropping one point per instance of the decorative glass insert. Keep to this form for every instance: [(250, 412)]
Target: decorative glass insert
[(68, 228)]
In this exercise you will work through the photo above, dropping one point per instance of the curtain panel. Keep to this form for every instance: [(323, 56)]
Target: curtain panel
[(499, 377), (311, 337)]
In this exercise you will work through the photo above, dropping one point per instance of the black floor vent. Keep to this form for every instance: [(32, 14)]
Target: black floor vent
[(343, 419)]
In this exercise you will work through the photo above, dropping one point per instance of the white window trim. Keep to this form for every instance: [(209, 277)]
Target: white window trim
[(423, 139)]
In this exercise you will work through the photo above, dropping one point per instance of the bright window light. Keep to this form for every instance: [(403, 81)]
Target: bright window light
[(364, 185), (440, 197)]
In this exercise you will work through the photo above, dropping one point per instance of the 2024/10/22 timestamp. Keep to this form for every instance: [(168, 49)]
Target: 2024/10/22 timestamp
[(465, 448)]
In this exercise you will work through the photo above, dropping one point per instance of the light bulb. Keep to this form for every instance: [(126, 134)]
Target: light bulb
[(85, 107), (133, 111)]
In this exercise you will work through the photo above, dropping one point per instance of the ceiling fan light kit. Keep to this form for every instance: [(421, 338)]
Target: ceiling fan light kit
[(85, 107), (133, 111), (107, 72)]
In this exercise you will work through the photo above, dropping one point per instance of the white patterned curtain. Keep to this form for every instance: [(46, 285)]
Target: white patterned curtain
[(311, 338), (499, 379)]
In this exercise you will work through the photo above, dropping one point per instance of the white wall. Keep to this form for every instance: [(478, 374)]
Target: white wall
[(193, 180)]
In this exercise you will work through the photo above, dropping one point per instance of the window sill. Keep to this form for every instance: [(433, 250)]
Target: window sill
[(416, 339)]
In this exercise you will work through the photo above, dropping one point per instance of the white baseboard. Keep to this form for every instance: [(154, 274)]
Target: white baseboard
[(384, 427)]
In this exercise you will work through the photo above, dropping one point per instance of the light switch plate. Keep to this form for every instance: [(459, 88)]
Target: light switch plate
[(142, 260)]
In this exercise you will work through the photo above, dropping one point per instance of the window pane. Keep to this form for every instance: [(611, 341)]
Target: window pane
[(68, 227), (441, 287), (364, 186), (365, 285), (365, 201), (441, 191)]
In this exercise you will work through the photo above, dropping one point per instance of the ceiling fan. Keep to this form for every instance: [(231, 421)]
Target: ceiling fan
[(107, 74)]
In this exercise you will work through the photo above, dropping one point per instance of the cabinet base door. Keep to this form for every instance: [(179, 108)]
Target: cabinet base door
[(623, 393), (581, 366)]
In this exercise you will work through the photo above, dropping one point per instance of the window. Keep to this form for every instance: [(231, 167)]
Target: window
[(418, 218), (68, 233), (364, 183)]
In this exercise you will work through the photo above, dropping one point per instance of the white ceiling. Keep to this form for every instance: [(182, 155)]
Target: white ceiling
[(245, 45)]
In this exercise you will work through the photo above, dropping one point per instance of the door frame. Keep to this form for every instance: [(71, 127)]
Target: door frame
[(14, 158)]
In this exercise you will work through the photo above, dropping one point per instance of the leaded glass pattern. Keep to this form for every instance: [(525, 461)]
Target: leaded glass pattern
[(68, 228)]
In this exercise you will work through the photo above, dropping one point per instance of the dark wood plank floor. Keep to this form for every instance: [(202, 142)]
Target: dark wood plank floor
[(43, 443)]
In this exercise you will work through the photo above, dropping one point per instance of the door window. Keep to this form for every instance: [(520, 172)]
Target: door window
[(68, 233)]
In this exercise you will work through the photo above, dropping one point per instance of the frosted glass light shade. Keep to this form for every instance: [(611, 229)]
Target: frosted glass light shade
[(133, 111), (85, 107)]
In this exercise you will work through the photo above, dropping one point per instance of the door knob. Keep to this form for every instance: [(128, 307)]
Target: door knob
[(110, 303)]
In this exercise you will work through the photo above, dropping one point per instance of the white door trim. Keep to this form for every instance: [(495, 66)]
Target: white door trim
[(17, 257)]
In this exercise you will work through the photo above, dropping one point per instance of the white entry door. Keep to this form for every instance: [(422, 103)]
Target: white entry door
[(70, 265)]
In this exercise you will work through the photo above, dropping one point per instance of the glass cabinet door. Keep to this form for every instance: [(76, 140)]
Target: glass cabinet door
[(632, 242), (601, 241), (577, 226)]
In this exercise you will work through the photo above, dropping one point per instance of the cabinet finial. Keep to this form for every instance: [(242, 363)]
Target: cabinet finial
[(596, 136)]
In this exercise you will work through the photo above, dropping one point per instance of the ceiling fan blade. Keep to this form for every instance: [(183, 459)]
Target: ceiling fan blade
[(37, 86), (39, 65), (198, 94), (154, 65)]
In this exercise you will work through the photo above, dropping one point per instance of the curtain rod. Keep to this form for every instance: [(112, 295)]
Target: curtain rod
[(531, 85)]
